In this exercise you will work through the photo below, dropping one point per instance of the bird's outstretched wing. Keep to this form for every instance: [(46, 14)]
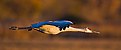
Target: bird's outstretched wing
[(62, 24)]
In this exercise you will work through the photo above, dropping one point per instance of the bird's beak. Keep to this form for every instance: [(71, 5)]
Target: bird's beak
[(96, 32), (91, 31)]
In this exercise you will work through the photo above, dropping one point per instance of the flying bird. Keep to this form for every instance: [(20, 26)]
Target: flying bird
[(54, 27)]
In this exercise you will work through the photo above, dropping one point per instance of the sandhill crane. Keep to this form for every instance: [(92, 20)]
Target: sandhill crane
[(54, 27)]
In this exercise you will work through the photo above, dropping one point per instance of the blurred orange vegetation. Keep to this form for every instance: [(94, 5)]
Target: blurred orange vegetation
[(102, 15)]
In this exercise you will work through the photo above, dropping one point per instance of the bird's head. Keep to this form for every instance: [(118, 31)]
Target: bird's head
[(88, 30)]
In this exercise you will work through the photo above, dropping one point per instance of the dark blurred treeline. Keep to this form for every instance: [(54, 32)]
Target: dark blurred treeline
[(100, 15)]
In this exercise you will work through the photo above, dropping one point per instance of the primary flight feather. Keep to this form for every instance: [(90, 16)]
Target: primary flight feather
[(53, 27)]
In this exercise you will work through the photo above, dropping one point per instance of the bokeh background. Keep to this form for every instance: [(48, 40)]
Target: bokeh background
[(99, 15)]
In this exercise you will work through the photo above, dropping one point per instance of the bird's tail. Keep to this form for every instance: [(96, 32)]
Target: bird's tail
[(20, 28)]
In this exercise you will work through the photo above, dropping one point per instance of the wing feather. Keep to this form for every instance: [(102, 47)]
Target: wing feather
[(60, 24)]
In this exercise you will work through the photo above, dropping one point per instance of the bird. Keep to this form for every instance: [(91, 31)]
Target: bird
[(54, 27)]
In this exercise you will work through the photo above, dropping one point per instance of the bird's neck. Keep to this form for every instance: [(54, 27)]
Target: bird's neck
[(74, 29)]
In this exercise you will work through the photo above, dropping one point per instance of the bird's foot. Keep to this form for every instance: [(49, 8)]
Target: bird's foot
[(13, 28)]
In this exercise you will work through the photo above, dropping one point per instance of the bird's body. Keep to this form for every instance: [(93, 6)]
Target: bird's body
[(55, 30), (55, 27), (49, 29)]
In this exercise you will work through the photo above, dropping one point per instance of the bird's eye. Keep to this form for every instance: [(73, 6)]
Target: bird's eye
[(89, 28)]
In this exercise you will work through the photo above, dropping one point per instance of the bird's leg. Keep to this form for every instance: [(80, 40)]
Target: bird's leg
[(20, 28), (29, 28)]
